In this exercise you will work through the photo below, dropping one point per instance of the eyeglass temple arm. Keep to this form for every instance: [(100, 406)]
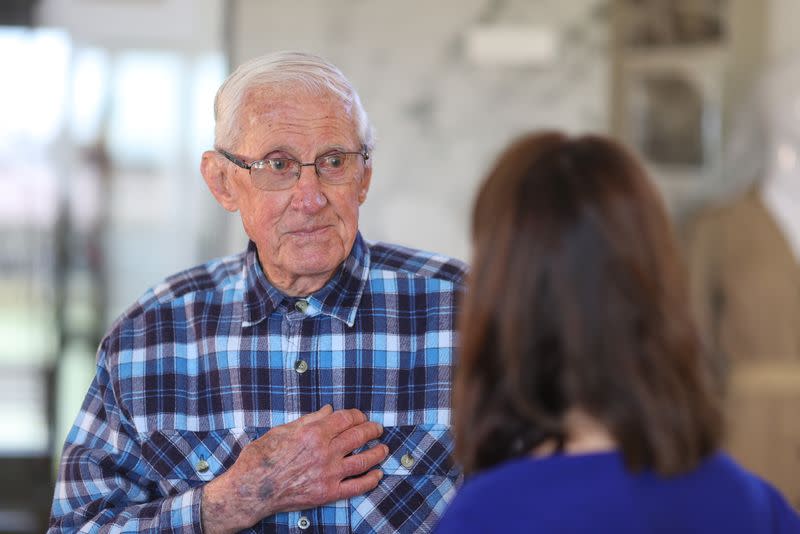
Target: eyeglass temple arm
[(233, 159)]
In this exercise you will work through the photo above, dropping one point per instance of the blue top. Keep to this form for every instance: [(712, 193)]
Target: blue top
[(595, 493), (212, 358)]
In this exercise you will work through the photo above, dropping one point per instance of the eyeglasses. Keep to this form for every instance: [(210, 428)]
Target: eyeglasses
[(277, 174)]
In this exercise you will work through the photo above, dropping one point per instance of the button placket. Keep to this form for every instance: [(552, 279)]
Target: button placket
[(290, 343), (300, 366)]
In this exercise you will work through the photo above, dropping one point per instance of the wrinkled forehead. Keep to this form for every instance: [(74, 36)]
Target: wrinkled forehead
[(293, 100)]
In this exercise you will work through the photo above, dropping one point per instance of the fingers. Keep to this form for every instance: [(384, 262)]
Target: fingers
[(355, 437), (337, 422), (316, 416), (359, 463), (347, 430), (359, 485)]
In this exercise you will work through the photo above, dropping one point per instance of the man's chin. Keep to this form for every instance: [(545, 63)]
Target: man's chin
[(313, 261)]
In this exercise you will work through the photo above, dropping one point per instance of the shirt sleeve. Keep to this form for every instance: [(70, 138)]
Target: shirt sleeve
[(103, 483)]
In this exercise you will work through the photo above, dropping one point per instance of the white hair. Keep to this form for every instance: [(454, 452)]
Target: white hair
[(285, 68)]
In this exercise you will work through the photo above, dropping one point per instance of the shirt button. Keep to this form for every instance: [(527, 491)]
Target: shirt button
[(300, 366), (303, 522), (202, 466), (407, 461), (301, 305)]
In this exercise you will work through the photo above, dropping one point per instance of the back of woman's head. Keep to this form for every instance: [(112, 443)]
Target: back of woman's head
[(577, 299)]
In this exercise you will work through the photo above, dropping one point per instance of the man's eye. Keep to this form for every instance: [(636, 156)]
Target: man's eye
[(277, 164), (333, 161)]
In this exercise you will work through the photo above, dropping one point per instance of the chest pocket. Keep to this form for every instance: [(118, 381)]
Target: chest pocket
[(180, 459), (420, 477), (418, 450)]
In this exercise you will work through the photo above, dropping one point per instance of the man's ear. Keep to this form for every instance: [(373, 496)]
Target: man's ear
[(363, 185), (218, 180)]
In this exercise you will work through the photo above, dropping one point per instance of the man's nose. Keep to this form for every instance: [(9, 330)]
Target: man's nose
[(308, 196)]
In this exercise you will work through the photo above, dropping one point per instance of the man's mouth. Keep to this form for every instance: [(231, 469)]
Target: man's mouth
[(310, 231)]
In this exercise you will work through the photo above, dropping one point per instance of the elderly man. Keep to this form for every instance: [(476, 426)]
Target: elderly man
[(303, 385)]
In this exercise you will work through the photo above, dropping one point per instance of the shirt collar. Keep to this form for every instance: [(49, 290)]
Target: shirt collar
[(339, 297)]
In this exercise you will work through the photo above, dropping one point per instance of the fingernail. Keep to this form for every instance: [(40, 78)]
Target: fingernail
[(380, 474)]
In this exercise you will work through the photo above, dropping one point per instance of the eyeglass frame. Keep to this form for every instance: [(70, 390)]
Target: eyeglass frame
[(364, 153)]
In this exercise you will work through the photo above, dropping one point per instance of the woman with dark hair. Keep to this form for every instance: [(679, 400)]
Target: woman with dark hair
[(583, 401)]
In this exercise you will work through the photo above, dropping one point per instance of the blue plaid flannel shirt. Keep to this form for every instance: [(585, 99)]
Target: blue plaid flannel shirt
[(206, 362)]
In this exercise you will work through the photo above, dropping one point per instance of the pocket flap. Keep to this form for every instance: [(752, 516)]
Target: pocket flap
[(193, 455), (418, 450)]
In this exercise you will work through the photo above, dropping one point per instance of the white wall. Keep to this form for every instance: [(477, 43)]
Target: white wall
[(190, 25), (783, 37), (440, 117)]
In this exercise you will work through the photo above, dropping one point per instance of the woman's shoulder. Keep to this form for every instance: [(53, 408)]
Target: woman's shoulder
[(718, 494), (722, 471), (763, 496)]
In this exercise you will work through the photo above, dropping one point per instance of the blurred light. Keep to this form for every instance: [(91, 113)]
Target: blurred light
[(146, 110), (787, 157), (208, 74), (35, 65), (89, 92), (28, 194), (77, 370), (23, 427)]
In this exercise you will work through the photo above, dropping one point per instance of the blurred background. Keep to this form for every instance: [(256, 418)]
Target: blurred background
[(106, 107)]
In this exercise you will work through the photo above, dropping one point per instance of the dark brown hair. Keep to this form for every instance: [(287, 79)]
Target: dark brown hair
[(577, 298)]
